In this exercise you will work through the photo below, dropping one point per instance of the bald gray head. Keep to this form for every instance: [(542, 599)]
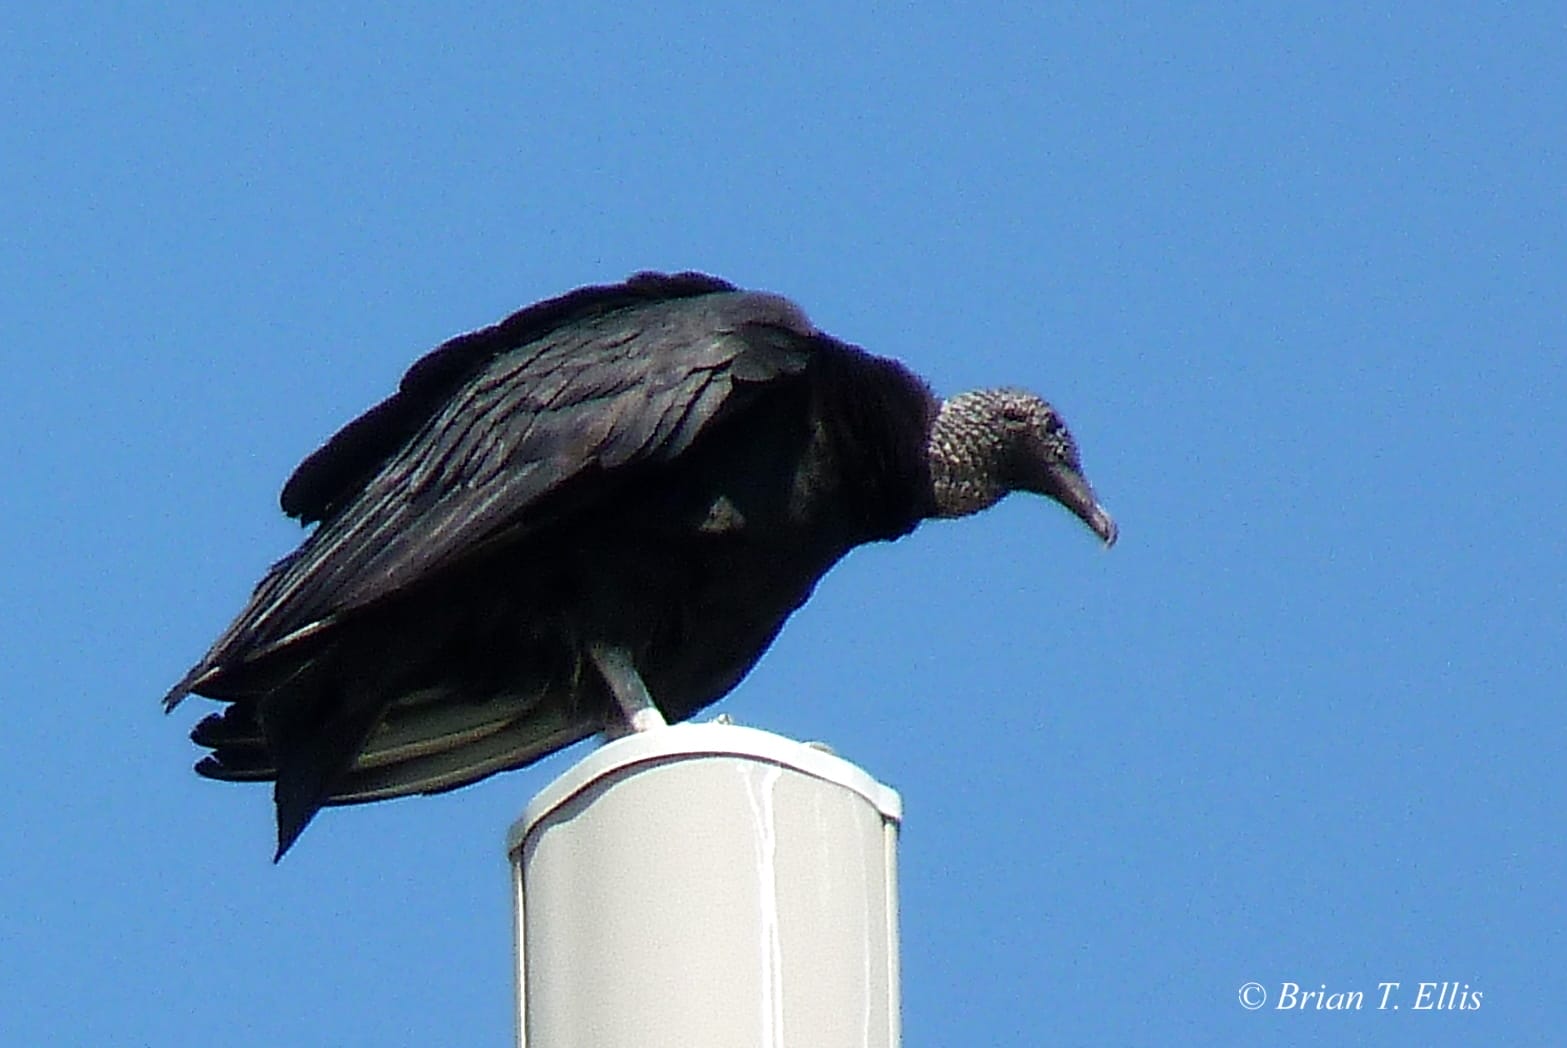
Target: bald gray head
[(989, 443)]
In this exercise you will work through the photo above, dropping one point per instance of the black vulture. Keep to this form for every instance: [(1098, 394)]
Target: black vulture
[(591, 516)]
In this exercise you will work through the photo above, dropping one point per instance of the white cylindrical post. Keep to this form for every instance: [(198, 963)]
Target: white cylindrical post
[(707, 886)]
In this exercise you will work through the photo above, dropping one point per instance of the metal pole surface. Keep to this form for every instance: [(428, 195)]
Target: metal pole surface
[(707, 886)]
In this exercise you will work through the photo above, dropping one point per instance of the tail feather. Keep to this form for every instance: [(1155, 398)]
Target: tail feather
[(435, 722), (331, 745), (237, 767), (517, 745), (314, 738)]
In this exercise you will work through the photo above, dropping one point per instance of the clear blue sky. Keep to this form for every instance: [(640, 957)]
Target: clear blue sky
[(1297, 279)]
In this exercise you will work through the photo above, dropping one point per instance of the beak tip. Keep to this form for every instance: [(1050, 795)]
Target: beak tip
[(1104, 526)]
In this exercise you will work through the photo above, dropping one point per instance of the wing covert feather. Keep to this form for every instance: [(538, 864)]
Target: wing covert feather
[(580, 403)]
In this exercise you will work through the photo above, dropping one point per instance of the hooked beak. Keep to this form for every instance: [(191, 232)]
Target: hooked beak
[(1069, 488)]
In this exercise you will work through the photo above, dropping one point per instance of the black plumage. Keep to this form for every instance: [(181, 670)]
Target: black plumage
[(610, 498)]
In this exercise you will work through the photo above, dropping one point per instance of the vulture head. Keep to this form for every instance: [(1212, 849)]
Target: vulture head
[(991, 442)]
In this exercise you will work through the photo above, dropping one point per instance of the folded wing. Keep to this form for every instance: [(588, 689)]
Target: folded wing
[(489, 433)]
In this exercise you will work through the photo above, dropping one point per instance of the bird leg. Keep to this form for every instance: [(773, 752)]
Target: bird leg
[(630, 691)]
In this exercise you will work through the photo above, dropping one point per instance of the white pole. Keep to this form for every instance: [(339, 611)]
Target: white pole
[(707, 886)]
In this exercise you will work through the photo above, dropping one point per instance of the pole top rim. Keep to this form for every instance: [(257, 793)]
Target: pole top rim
[(694, 741)]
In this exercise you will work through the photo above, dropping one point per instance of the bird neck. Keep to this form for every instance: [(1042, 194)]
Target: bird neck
[(966, 457)]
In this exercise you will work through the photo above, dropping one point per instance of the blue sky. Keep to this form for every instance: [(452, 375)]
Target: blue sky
[(1296, 278)]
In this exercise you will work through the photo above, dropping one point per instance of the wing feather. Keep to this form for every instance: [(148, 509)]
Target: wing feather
[(581, 403)]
